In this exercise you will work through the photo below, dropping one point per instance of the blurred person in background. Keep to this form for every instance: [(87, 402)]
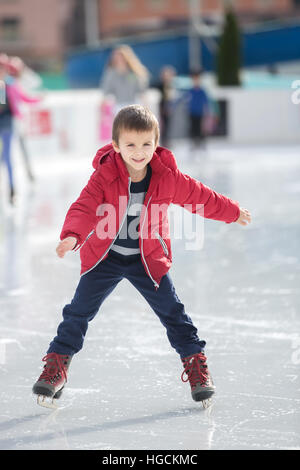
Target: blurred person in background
[(28, 78), (6, 123), (9, 110), (167, 96), (124, 81), (198, 109), (22, 77)]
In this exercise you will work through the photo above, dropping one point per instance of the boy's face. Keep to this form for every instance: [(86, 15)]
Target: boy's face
[(136, 148)]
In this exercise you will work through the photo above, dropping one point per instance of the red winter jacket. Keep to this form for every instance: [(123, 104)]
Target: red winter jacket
[(87, 216)]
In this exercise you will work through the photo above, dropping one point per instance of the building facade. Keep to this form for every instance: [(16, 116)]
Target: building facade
[(41, 31), (34, 29), (128, 16)]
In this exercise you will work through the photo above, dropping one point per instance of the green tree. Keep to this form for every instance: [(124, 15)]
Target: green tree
[(229, 51)]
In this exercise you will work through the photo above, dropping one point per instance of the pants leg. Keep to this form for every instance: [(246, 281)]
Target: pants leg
[(196, 133), (92, 290), (24, 150), (181, 332), (6, 136)]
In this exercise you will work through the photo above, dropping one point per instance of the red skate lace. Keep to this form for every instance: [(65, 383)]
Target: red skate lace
[(54, 367), (195, 369)]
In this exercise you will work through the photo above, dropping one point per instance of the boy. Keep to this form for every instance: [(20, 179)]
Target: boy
[(198, 105), (119, 223)]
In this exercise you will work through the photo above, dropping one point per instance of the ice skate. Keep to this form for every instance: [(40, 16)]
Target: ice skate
[(197, 373), (12, 196), (51, 382)]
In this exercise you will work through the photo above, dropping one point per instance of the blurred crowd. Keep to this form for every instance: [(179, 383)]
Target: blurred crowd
[(125, 81)]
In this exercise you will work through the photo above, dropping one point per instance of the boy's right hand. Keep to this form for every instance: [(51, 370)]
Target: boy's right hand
[(66, 245), (244, 218)]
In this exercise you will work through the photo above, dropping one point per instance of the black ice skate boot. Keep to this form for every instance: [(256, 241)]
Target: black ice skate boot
[(12, 196), (53, 378), (197, 373)]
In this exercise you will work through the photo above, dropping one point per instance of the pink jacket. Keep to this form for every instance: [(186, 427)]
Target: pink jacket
[(16, 95), (111, 180)]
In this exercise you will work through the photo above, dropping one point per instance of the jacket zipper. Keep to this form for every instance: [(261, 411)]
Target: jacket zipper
[(121, 225), (163, 243), (89, 235), (142, 247)]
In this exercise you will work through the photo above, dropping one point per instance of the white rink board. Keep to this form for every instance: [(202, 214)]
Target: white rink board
[(255, 117)]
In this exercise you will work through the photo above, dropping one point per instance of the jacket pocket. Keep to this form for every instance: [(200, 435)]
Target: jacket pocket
[(163, 243)]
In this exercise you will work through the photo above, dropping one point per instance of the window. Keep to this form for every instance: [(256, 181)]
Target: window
[(10, 28)]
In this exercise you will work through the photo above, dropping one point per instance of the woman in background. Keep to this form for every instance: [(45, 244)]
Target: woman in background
[(124, 81)]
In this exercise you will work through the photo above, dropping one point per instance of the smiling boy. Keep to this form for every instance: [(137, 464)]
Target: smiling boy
[(133, 176)]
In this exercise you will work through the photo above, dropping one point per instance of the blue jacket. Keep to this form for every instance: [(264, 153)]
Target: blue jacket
[(197, 101)]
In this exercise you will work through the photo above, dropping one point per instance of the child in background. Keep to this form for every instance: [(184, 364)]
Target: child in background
[(198, 107), (120, 224)]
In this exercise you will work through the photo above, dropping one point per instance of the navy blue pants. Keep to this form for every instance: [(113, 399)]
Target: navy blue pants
[(96, 285), (6, 137)]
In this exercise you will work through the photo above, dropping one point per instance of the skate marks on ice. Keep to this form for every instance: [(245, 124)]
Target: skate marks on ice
[(235, 421), (269, 422), (45, 428), (60, 429)]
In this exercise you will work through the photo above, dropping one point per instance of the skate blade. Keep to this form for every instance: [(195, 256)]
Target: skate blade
[(44, 401), (206, 403)]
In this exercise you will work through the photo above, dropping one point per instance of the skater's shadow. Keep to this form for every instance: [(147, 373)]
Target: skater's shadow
[(11, 424), (50, 435), (137, 421)]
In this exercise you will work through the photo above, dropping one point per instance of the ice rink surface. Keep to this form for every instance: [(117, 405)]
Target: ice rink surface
[(124, 389)]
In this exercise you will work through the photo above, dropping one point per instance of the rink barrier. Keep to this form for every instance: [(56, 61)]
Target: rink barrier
[(69, 121)]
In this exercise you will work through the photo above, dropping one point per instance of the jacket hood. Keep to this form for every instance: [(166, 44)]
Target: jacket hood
[(101, 153)]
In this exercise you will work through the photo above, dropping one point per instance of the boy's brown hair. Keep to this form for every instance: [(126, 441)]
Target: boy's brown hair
[(135, 118)]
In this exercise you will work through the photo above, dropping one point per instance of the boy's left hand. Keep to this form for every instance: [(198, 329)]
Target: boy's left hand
[(244, 218)]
